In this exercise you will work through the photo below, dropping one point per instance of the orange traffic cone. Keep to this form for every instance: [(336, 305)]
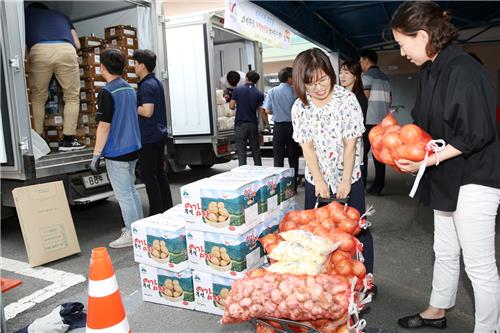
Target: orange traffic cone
[(105, 308)]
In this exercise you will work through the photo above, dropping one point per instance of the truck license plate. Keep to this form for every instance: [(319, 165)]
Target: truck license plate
[(95, 180)]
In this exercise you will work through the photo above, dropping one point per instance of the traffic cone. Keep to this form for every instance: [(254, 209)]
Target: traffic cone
[(105, 308)]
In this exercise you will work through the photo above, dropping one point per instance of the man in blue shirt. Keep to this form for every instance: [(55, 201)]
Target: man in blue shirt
[(118, 140), (279, 101), (52, 44), (247, 100), (153, 124)]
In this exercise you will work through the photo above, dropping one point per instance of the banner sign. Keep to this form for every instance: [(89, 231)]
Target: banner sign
[(255, 23)]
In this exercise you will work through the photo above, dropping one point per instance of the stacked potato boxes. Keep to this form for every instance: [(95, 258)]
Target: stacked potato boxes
[(124, 38), (159, 245), (91, 81), (225, 217)]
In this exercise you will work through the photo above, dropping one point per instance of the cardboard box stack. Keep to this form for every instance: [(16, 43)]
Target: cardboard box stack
[(124, 38), (91, 81), (191, 254)]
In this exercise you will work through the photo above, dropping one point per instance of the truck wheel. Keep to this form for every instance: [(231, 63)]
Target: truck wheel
[(200, 167)]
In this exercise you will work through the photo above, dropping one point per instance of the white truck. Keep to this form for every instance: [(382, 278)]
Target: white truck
[(193, 52)]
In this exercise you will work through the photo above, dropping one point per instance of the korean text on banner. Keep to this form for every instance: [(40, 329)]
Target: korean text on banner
[(255, 23)]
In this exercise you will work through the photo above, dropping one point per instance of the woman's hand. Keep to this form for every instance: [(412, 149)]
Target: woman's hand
[(322, 189), (408, 166), (343, 189)]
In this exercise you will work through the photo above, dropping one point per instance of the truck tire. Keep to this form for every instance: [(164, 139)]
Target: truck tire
[(200, 167)]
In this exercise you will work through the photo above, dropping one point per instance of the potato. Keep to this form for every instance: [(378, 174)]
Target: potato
[(222, 218), (224, 263), (162, 243), (164, 249), (176, 283), (220, 205), (215, 251), (214, 210), (223, 212), (215, 261), (163, 255), (212, 204), (155, 253), (169, 284), (168, 292), (177, 294), (156, 244), (225, 257), (223, 250), (178, 288), (224, 292), (212, 217)]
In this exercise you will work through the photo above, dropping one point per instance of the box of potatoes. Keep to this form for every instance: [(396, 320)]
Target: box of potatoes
[(210, 292), (160, 240), (225, 255), (168, 288)]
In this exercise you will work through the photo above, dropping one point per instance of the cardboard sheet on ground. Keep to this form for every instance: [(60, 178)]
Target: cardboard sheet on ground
[(46, 222)]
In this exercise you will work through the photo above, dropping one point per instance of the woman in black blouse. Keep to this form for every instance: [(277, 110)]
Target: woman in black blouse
[(350, 78), (456, 103)]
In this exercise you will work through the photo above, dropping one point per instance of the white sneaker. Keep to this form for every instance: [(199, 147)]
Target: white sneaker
[(124, 240)]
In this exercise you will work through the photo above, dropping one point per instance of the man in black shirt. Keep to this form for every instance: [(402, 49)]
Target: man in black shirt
[(153, 125)]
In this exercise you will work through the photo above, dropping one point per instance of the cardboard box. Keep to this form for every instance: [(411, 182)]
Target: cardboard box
[(160, 240), (223, 206), (131, 77), (86, 118), (91, 71), (158, 286), (53, 120), (120, 30), (89, 59), (89, 141), (90, 42), (210, 292), (225, 255), (88, 95), (268, 188), (286, 176), (91, 84), (123, 41), (53, 133), (46, 222)]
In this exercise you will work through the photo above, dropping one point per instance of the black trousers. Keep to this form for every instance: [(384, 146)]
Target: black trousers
[(284, 145), (356, 200), (247, 132), (152, 170), (379, 181)]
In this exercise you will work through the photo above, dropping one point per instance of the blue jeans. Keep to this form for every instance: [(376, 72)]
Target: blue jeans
[(122, 178)]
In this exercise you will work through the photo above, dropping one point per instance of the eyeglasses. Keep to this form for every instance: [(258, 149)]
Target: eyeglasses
[(323, 82)]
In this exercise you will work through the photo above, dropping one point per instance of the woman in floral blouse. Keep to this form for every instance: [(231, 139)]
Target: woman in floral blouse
[(328, 124)]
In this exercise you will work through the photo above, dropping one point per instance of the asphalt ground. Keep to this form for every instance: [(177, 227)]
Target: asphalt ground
[(402, 231)]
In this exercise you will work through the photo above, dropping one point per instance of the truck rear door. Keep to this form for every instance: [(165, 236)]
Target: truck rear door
[(15, 142), (188, 73)]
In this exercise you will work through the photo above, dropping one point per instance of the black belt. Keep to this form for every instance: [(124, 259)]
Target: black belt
[(283, 122)]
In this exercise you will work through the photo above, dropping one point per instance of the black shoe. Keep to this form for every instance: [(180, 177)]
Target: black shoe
[(70, 145), (416, 321), (373, 191)]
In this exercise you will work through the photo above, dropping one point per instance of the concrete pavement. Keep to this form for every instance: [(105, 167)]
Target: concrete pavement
[(402, 230)]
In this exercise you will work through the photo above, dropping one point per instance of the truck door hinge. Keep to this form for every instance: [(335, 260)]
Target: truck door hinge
[(164, 75), (24, 144), (14, 63), (163, 19)]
